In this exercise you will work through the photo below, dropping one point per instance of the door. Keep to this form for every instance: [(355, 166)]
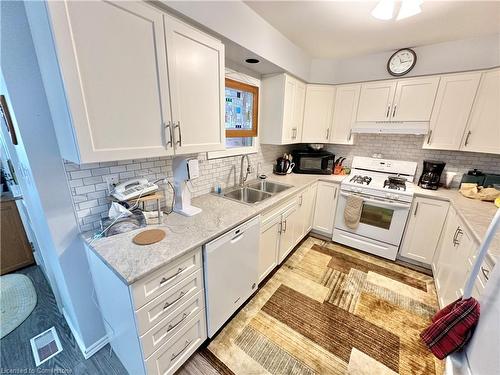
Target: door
[(375, 101), (269, 246), (318, 113), (414, 99), (344, 114), (290, 232), (288, 131), (326, 203), (424, 228), (451, 111), (483, 129), (196, 77), (299, 98), (113, 62)]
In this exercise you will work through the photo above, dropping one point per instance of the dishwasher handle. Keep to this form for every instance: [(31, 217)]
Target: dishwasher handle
[(238, 236)]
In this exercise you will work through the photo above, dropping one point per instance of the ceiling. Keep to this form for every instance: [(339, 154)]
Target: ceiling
[(342, 29)]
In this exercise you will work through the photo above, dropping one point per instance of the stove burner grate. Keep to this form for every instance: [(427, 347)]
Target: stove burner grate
[(363, 180), (394, 185)]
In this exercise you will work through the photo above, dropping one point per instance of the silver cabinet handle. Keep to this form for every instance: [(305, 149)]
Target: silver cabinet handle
[(467, 138), (455, 237), (327, 134), (388, 111), (166, 280), (335, 193), (284, 226), (280, 228), (174, 355), (416, 209), (172, 326), (429, 137), (301, 199), (394, 111), (168, 126), (167, 304), (178, 127), (350, 135), (485, 272)]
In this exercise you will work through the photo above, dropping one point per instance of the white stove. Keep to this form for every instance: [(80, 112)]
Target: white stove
[(386, 187)]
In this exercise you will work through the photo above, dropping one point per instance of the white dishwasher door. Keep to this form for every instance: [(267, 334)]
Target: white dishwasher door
[(231, 272)]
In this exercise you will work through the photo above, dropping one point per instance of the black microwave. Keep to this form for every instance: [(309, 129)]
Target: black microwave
[(313, 162)]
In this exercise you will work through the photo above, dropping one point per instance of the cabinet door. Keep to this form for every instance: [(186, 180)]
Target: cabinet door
[(452, 108), (113, 63), (326, 203), (269, 246), (423, 229), (414, 99), (288, 131), (344, 114), (318, 113), (375, 101), (299, 98), (483, 130), (290, 232), (196, 76), (309, 204)]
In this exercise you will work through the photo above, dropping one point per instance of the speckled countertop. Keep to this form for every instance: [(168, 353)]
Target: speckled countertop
[(132, 262)]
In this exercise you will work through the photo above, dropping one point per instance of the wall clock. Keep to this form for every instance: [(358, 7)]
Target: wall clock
[(401, 62)]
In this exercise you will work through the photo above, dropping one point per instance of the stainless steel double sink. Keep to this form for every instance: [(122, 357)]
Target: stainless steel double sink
[(254, 191)]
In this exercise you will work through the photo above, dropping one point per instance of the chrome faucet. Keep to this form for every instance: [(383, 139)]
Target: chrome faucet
[(244, 178)]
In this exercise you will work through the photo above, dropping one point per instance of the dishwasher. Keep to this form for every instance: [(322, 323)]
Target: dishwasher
[(231, 272)]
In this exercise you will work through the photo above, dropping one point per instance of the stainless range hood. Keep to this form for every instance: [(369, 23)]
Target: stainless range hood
[(391, 127)]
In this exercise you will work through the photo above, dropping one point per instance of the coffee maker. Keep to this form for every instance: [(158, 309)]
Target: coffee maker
[(431, 174)]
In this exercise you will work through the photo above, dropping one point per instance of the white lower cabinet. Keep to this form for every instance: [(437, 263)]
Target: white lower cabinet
[(283, 227), (424, 227), (324, 212), (450, 263), (155, 324)]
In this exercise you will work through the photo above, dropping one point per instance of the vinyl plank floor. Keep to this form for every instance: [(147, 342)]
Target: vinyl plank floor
[(16, 349)]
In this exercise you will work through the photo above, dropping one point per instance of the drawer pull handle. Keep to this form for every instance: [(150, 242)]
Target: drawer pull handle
[(174, 355), (485, 272), (166, 280), (172, 326), (167, 304)]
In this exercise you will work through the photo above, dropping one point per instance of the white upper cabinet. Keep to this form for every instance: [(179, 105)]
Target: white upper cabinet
[(318, 113), (453, 104), (398, 100), (196, 77), (118, 91), (344, 114), (414, 99), (282, 109), (375, 101), (483, 129)]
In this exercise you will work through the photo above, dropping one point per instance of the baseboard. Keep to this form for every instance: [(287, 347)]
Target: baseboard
[(86, 351)]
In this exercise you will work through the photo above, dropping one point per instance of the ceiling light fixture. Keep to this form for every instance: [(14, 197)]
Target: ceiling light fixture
[(385, 9), (409, 8)]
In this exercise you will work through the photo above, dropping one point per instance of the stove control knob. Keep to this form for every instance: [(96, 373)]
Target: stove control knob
[(396, 197)]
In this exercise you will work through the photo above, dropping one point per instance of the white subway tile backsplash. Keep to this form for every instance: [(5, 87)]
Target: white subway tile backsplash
[(80, 174), (84, 189)]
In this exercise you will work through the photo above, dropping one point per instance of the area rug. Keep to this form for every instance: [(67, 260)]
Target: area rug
[(17, 301), (333, 310)]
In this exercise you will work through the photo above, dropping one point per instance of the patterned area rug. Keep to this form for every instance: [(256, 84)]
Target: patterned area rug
[(332, 310)]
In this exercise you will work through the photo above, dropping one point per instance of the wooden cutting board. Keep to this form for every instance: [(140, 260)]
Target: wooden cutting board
[(149, 237)]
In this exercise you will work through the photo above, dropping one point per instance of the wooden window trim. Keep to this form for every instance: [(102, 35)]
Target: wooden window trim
[(255, 115)]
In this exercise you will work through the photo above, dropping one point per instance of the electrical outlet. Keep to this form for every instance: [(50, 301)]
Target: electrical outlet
[(111, 181)]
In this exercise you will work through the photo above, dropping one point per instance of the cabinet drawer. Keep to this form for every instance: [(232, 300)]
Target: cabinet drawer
[(177, 350), (162, 306), (164, 330), (277, 211), (163, 279)]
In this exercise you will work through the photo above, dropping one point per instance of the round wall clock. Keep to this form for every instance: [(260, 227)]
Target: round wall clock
[(401, 62)]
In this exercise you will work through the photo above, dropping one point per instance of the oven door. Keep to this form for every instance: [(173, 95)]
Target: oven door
[(381, 220)]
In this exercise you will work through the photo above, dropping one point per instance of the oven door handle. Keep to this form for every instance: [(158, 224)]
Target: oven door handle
[(381, 202)]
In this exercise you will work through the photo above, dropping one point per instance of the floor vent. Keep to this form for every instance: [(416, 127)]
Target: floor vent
[(45, 346)]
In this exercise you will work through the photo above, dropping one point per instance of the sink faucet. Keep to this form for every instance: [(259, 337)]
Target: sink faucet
[(244, 178)]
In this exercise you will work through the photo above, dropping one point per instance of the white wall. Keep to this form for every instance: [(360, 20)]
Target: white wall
[(455, 56), (42, 176), (236, 21)]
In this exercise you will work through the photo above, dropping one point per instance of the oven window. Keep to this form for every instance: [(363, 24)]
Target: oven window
[(310, 163), (376, 216)]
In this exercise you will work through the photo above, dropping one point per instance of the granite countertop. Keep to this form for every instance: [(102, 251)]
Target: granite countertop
[(476, 214), (132, 262)]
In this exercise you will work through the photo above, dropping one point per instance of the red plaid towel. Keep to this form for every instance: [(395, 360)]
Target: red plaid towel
[(451, 327)]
